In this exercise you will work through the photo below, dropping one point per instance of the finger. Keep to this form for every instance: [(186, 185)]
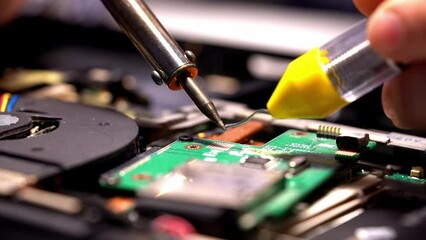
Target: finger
[(367, 6), (397, 29), (9, 9), (404, 98)]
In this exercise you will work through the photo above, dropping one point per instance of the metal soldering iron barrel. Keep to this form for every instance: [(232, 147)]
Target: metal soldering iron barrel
[(200, 99), (153, 41)]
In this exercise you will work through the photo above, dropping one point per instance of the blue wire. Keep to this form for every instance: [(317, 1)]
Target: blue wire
[(12, 102)]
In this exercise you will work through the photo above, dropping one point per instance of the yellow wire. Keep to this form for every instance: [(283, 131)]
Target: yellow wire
[(5, 101)]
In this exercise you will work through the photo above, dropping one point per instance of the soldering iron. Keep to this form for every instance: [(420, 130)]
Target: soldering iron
[(171, 64)]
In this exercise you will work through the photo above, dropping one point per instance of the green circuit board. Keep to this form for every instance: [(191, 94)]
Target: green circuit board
[(142, 173), (406, 178)]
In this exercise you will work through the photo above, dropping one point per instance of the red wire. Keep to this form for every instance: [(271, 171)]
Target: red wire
[(173, 225)]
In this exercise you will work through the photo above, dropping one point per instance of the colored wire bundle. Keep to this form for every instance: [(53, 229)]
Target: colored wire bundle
[(7, 101)]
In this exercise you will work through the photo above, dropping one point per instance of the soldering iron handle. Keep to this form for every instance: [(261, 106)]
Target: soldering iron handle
[(153, 41)]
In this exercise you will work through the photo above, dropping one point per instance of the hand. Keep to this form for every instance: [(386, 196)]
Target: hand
[(9, 9), (397, 30)]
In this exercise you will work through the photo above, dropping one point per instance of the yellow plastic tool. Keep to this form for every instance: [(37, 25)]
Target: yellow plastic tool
[(305, 90), (327, 78)]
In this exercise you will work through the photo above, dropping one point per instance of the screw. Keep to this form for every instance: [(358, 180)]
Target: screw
[(185, 138), (113, 180)]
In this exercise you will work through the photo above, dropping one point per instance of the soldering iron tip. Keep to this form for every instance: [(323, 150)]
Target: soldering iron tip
[(201, 100), (221, 124), (210, 111)]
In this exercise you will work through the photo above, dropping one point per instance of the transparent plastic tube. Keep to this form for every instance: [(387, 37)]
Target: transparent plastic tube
[(353, 67)]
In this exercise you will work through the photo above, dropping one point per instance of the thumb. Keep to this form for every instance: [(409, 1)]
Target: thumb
[(403, 98), (397, 29)]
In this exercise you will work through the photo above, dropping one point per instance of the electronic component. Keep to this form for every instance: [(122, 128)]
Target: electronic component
[(199, 171), (44, 137), (212, 181), (170, 157), (229, 186), (299, 161), (417, 172), (297, 164), (259, 163), (352, 143), (240, 178)]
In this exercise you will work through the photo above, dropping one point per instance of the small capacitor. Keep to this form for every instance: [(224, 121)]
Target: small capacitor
[(328, 78), (296, 165)]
